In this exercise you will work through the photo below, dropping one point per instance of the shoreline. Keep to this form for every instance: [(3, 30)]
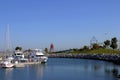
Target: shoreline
[(114, 58)]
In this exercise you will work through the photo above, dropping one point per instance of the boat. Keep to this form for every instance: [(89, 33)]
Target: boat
[(16, 59), (19, 56), (10, 59), (39, 55), (7, 63), (20, 60)]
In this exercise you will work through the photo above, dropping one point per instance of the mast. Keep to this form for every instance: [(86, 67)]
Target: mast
[(7, 40)]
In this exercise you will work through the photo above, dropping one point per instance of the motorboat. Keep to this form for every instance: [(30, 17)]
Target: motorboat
[(7, 63), (19, 56), (39, 55)]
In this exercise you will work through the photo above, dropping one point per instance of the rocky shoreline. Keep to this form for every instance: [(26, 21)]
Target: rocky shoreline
[(115, 58)]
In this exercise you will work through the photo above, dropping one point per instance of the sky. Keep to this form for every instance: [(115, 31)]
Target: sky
[(65, 23)]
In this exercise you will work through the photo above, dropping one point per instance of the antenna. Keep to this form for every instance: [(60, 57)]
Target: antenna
[(93, 40)]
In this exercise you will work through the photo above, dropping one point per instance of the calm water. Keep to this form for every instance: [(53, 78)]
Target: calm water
[(62, 69)]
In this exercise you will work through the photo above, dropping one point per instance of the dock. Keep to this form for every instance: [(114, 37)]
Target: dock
[(25, 63)]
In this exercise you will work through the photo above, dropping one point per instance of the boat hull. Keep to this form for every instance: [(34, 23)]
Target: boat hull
[(44, 59), (7, 65)]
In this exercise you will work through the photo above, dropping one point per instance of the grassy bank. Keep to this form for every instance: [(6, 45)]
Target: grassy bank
[(105, 51), (96, 51)]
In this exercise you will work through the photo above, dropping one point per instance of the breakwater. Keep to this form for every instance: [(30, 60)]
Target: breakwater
[(115, 58)]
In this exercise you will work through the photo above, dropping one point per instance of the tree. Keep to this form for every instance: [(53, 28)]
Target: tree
[(75, 49), (106, 43), (46, 50), (114, 43), (29, 50), (85, 48), (95, 46), (18, 48)]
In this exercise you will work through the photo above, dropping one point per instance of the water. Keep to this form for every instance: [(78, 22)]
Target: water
[(63, 69)]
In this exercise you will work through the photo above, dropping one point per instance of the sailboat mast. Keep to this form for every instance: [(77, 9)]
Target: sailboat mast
[(7, 48)]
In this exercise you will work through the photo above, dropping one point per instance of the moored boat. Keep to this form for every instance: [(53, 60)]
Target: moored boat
[(39, 55), (7, 63)]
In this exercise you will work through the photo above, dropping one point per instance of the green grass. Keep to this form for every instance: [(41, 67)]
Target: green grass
[(96, 51), (105, 51)]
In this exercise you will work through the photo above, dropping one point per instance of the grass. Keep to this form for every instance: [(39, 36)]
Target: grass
[(95, 51), (105, 51)]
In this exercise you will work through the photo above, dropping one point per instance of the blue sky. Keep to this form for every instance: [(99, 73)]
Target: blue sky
[(65, 23)]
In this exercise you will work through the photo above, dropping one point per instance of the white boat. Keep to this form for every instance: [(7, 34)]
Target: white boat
[(37, 53), (7, 63), (13, 61), (19, 56)]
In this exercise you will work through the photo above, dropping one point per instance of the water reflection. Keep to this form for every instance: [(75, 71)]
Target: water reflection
[(40, 70), (114, 70), (35, 71), (29, 72), (101, 69), (8, 73), (97, 67)]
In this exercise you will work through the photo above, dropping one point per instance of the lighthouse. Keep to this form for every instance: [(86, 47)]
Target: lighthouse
[(51, 48)]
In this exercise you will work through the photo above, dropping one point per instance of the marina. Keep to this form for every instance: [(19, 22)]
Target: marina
[(59, 40), (19, 60)]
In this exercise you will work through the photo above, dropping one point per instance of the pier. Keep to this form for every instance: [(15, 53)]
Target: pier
[(25, 63)]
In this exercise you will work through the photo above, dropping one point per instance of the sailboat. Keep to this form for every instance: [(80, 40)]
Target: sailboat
[(8, 60)]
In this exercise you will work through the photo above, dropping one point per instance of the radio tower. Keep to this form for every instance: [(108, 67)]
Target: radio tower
[(51, 48), (93, 41)]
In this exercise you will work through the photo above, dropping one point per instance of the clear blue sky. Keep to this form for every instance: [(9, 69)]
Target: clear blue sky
[(65, 23)]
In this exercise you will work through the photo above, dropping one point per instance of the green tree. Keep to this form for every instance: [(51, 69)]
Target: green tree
[(46, 50), (75, 49), (106, 43), (95, 46), (18, 48), (85, 48), (114, 43), (29, 50)]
